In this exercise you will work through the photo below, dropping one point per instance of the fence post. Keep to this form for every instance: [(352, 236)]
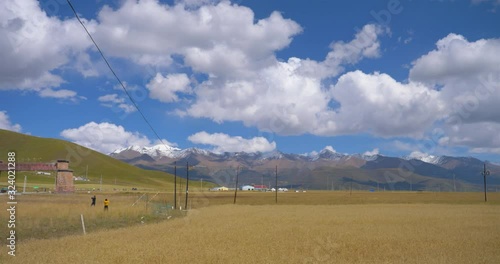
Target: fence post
[(83, 224)]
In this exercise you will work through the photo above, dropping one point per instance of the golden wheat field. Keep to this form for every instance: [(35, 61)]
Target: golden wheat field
[(371, 228)]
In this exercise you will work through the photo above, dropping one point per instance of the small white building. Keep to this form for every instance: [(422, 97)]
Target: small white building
[(247, 188)]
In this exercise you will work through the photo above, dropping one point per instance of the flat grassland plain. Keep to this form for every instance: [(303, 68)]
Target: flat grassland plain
[(312, 227)]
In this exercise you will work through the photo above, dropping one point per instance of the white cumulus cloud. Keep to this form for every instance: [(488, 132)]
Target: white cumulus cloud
[(284, 97), (455, 86), (225, 143), (30, 45), (378, 104), (165, 88), (277, 100), (365, 44), (104, 137), (149, 32), (113, 100), (6, 124), (480, 135), (468, 76), (60, 94), (373, 152), (456, 57)]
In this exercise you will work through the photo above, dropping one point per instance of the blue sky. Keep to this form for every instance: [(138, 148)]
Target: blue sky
[(391, 77)]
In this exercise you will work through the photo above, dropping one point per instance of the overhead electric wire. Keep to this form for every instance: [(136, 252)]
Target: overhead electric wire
[(116, 76)]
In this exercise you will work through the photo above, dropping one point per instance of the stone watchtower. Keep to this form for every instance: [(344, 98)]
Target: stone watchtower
[(64, 178)]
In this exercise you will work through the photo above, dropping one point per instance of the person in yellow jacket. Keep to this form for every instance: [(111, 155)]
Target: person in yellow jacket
[(106, 204)]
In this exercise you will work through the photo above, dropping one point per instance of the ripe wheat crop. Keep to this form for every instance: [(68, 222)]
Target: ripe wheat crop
[(353, 233)]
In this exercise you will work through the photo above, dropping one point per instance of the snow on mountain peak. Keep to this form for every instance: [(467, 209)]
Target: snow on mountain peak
[(133, 147), (328, 149), (424, 157), (156, 151), (328, 153), (275, 154), (160, 150), (188, 151), (370, 157)]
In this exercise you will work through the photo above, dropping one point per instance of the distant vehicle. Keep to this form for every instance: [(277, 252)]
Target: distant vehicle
[(4, 190)]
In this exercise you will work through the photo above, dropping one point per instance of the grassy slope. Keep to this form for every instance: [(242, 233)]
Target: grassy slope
[(30, 148)]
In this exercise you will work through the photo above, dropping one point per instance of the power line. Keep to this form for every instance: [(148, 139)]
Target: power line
[(112, 71)]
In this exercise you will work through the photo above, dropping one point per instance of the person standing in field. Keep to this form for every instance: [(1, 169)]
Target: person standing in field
[(106, 204), (93, 200)]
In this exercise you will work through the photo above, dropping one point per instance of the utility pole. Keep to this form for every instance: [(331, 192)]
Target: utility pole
[(180, 193), (175, 185), (187, 185), (276, 184), (484, 173), (236, 189)]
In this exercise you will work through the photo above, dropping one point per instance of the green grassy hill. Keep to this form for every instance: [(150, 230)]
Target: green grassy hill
[(83, 161)]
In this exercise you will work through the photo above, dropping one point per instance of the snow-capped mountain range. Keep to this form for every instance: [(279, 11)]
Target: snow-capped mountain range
[(164, 151), (159, 151), (310, 169)]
